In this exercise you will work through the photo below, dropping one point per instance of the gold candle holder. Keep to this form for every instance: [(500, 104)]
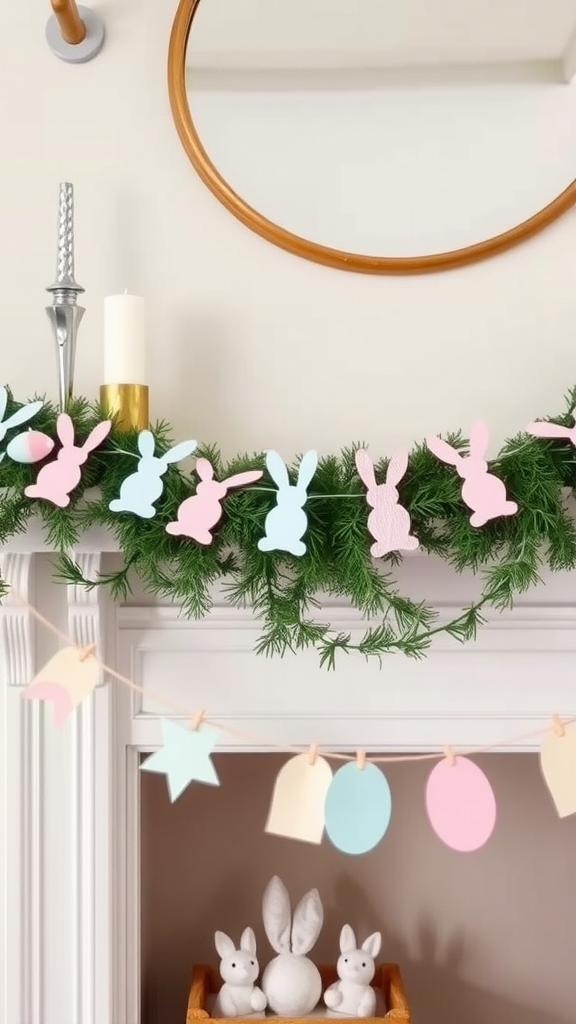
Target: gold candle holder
[(128, 403)]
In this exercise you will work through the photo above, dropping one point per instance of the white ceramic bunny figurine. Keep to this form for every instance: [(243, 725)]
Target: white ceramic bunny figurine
[(353, 994), (291, 982), (239, 969)]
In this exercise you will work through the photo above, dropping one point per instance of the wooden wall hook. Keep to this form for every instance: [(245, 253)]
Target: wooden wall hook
[(74, 33)]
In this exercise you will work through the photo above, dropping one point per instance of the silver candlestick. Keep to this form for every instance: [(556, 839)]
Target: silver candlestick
[(64, 314)]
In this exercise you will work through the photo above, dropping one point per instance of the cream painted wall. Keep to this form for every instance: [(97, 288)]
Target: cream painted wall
[(249, 346), (482, 938)]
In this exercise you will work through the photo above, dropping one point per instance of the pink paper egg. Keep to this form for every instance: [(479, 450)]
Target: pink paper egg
[(461, 805), (31, 446)]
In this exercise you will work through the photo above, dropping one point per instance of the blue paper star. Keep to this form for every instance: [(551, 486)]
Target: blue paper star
[(184, 757)]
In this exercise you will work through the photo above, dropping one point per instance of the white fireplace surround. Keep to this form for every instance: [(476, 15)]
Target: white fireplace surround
[(70, 798)]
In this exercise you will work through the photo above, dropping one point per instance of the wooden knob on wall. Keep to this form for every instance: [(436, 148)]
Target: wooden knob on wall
[(74, 33)]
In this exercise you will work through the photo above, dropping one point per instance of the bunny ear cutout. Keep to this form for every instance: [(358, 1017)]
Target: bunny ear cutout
[(240, 479), (277, 468), (397, 467), (3, 401), (443, 451), (308, 921), (146, 444), (204, 469), (365, 468), (180, 451), (372, 944), (544, 429), (65, 430), (307, 468), (276, 915), (22, 415), (97, 435), (248, 941), (479, 439), (224, 944), (347, 939)]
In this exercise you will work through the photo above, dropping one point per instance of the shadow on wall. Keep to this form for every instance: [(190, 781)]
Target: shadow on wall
[(472, 933)]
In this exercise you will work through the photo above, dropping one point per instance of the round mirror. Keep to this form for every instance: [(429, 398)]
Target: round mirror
[(341, 132)]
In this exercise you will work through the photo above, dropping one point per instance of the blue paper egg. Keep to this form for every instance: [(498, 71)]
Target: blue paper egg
[(31, 446), (358, 808)]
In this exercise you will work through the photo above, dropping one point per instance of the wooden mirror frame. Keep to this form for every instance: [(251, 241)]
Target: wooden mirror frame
[(303, 247)]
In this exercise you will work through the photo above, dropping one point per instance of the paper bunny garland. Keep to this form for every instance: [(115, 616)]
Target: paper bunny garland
[(483, 492), (286, 524)]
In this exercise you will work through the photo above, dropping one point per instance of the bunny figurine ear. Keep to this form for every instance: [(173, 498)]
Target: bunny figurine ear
[(308, 921), (276, 915), (248, 941), (478, 439), (372, 944), (347, 939), (224, 945), (3, 401)]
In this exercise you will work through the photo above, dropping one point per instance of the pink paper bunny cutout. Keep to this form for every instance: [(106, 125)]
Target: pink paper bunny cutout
[(389, 522), (483, 492), (197, 516), (552, 430), (58, 478)]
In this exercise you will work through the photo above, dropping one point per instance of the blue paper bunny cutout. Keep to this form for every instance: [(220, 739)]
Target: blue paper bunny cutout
[(141, 489), (286, 524)]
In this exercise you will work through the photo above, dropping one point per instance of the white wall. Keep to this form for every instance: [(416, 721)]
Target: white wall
[(249, 346)]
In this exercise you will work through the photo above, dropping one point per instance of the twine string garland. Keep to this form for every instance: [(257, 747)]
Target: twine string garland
[(558, 723)]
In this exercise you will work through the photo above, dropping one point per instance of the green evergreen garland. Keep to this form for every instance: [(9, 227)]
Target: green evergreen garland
[(506, 554)]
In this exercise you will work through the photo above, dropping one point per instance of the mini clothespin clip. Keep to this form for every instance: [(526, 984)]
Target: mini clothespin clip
[(85, 652), (450, 756), (360, 759), (313, 754), (196, 720), (74, 34), (558, 726)]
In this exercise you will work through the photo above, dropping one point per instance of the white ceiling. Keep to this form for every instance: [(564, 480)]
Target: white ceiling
[(379, 34)]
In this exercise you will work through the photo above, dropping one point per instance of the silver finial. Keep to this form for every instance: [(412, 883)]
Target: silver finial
[(64, 313)]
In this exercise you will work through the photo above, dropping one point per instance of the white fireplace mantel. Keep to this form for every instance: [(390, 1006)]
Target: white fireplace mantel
[(70, 800)]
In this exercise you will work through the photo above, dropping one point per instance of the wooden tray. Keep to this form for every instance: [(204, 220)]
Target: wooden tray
[(387, 982)]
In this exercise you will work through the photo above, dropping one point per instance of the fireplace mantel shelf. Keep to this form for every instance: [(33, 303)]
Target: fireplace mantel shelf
[(70, 854)]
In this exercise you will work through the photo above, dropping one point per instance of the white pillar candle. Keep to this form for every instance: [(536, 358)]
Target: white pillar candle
[(124, 340)]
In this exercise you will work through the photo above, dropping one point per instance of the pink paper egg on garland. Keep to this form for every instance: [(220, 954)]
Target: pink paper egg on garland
[(460, 803), (29, 447)]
